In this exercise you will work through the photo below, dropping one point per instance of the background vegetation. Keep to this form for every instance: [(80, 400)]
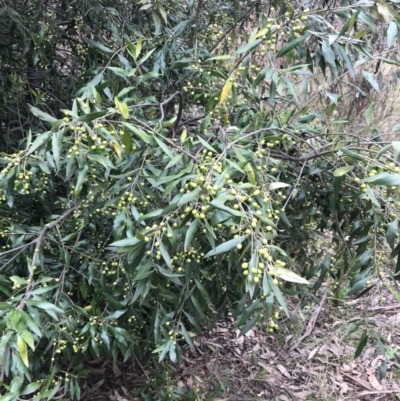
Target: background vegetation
[(167, 163)]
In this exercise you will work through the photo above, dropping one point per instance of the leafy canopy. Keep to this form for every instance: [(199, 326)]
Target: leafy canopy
[(165, 164)]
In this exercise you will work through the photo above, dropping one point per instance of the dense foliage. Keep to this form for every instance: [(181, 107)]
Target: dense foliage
[(167, 163)]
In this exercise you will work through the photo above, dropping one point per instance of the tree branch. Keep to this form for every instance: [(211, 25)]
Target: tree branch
[(38, 242)]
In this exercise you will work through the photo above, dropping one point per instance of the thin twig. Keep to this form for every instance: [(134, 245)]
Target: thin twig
[(389, 307)]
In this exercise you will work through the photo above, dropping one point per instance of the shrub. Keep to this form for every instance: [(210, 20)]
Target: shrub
[(125, 229)]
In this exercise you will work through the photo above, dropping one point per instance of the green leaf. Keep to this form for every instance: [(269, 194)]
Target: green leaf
[(47, 306), (81, 179), (290, 46), (187, 337), (98, 45), (9, 397), (16, 384), (39, 141), (223, 57), (126, 242), (115, 315), (392, 290), (138, 132), (56, 146), (342, 171), (361, 344), (369, 76), (190, 233), (363, 260), (391, 33), (288, 275), (206, 145), (168, 273), (391, 232), (172, 352), (328, 53), (383, 179), (87, 118), (144, 271), (359, 285), (250, 324), (226, 246), (368, 113), (23, 350), (352, 154), (193, 195), (165, 148), (396, 148), (279, 297), (165, 255), (270, 304), (27, 337), (248, 47), (104, 161), (154, 213), (127, 141), (42, 115), (163, 13), (165, 350), (219, 205), (372, 197), (203, 291), (176, 159), (31, 388)]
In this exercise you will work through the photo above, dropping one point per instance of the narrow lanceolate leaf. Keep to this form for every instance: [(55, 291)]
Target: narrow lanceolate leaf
[(165, 255), (190, 233), (384, 179), (396, 148), (98, 45), (189, 196), (127, 141), (371, 195), (249, 325), (290, 46), (248, 47), (369, 76), (362, 343), (117, 150), (28, 338), (138, 132), (122, 108), (126, 242), (23, 350), (226, 246), (39, 141), (342, 171), (279, 297), (56, 146), (391, 232), (391, 33), (81, 179), (42, 115), (187, 337), (225, 90), (277, 185), (288, 275), (87, 118)]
